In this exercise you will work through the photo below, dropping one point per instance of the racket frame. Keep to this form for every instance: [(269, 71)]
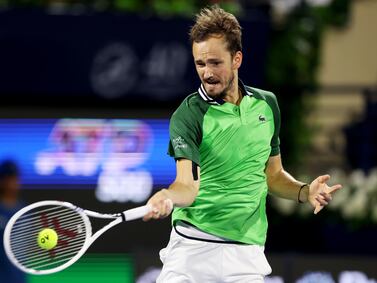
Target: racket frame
[(127, 215)]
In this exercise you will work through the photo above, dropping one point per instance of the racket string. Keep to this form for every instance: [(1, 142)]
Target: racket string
[(42, 217), (37, 252), (32, 241), (52, 265), (46, 255), (16, 235), (44, 211), (48, 252), (69, 226)]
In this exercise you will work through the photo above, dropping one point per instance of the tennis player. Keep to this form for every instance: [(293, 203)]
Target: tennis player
[(225, 140)]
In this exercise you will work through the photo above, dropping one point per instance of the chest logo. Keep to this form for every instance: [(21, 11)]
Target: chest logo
[(262, 118), (179, 142)]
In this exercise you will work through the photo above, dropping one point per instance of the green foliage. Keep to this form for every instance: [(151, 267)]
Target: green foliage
[(295, 48), (173, 8), (128, 6), (336, 14), (161, 8), (294, 57)]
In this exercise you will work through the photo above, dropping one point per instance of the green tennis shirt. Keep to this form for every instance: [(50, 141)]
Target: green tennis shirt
[(231, 144)]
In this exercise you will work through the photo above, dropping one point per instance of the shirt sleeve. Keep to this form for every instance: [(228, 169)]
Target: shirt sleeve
[(275, 141), (185, 136)]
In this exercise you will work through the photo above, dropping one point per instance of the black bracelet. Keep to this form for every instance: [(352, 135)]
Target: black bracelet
[(299, 192)]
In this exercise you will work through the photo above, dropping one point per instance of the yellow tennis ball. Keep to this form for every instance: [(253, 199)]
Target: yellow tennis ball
[(47, 239)]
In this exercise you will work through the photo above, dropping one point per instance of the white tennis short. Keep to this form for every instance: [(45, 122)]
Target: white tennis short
[(193, 261)]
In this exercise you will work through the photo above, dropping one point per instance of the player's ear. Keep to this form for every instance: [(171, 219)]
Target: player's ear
[(237, 60)]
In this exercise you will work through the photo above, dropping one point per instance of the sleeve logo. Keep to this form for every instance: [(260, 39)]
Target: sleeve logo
[(179, 143)]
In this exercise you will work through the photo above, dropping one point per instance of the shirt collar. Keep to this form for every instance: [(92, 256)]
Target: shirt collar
[(218, 101)]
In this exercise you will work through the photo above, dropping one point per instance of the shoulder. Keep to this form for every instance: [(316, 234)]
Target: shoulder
[(265, 95), (192, 106), (262, 94)]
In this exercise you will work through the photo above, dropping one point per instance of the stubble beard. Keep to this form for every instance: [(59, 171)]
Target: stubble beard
[(224, 92)]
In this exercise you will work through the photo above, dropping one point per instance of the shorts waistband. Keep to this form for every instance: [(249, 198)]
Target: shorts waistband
[(189, 231)]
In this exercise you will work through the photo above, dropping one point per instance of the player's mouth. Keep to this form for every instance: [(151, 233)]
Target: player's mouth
[(212, 83)]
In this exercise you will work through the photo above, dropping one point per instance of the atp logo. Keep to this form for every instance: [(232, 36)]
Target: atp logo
[(115, 150)]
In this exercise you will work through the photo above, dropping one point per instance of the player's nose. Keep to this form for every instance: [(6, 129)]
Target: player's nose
[(208, 74)]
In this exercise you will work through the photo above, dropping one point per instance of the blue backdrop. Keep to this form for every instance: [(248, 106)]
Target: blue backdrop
[(77, 151)]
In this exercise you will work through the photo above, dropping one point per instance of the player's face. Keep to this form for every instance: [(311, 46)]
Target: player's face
[(215, 65)]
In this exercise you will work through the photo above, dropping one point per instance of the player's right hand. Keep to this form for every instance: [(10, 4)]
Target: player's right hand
[(161, 205)]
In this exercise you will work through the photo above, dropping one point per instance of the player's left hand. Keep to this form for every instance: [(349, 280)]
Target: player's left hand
[(320, 194)]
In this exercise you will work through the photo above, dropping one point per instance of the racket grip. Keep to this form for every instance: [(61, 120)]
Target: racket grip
[(137, 212)]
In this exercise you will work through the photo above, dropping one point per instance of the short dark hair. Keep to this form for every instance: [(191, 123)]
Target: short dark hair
[(215, 21)]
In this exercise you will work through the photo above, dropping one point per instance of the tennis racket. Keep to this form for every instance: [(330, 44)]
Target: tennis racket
[(73, 229)]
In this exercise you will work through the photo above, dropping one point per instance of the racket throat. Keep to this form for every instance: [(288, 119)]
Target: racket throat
[(123, 215)]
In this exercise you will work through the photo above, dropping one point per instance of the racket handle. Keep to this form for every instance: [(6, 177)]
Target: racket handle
[(137, 212)]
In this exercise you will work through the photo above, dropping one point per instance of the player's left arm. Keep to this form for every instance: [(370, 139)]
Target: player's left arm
[(284, 185)]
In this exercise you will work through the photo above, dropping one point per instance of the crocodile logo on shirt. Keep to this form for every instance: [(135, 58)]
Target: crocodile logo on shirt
[(179, 142), (262, 118)]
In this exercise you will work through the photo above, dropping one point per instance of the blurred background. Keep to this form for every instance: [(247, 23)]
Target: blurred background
[(87, 89)]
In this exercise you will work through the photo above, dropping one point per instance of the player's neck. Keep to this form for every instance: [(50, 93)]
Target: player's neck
[(234, 95)]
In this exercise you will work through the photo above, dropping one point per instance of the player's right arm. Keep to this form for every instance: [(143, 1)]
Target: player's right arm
[(182, 192), (185, 136)]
